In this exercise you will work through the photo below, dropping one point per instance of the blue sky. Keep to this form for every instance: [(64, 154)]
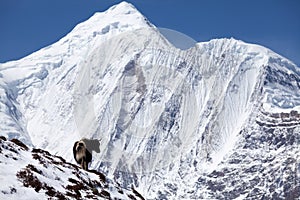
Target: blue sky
[(28, 25)]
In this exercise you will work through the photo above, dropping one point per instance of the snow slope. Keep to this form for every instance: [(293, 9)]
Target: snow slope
[(36, 174), (174, 123)]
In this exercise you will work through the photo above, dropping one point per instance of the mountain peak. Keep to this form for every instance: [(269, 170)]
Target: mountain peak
[(100, 27), (123, 16), (124, 7)]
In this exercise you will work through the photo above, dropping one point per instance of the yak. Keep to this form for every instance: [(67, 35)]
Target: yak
[(82, 151)]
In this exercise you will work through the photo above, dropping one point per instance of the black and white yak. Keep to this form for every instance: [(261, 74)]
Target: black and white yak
[(82, 151)]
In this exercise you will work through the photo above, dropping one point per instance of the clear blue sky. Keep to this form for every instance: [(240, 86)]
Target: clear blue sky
[(28, 25)]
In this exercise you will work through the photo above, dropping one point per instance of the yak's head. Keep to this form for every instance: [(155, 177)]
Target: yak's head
[(80, 145)]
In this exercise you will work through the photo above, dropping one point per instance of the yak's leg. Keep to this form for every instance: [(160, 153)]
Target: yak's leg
[(86, 165), (82, 163)]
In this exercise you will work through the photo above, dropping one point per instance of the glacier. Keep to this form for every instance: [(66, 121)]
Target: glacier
[(219, 120)]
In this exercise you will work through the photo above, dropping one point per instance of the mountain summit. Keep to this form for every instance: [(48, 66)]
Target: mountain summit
[(220, 120)]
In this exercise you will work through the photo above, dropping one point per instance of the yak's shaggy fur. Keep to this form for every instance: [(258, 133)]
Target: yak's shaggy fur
[(82, 151)]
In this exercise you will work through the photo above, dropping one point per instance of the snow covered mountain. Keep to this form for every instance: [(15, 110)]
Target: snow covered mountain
[(220, 120)]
